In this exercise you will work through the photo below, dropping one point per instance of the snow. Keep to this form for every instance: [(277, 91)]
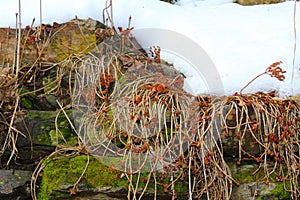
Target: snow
[(242, 41)]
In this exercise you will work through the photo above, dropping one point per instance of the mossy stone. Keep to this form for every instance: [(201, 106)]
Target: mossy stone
[(61, 174)]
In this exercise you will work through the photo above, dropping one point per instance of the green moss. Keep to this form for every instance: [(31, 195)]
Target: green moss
[(245, 176), (59, 173), (44, 124), (280, 192), (50, 83), (28, 99), (63, 173), (71, 42), (43, 115)]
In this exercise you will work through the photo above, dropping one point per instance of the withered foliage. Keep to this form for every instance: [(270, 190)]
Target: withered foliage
[(146, 118)]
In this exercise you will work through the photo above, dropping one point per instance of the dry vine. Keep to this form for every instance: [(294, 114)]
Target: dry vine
[(135, 111)]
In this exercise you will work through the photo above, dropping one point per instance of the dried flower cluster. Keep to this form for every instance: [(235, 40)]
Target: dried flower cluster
[(274, 70), (155, 54)]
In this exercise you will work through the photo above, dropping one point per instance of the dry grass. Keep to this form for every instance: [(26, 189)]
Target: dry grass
[(256, 2)]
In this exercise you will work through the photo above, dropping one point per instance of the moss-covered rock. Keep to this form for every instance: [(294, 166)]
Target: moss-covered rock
[(30, 100), (73, 38), (252, 183), (48, 128), (60, 175)]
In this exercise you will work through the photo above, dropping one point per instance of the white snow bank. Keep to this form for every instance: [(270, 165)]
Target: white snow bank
[(241, 41)]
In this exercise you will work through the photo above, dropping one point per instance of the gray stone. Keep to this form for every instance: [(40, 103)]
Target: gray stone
[(13, 179)]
